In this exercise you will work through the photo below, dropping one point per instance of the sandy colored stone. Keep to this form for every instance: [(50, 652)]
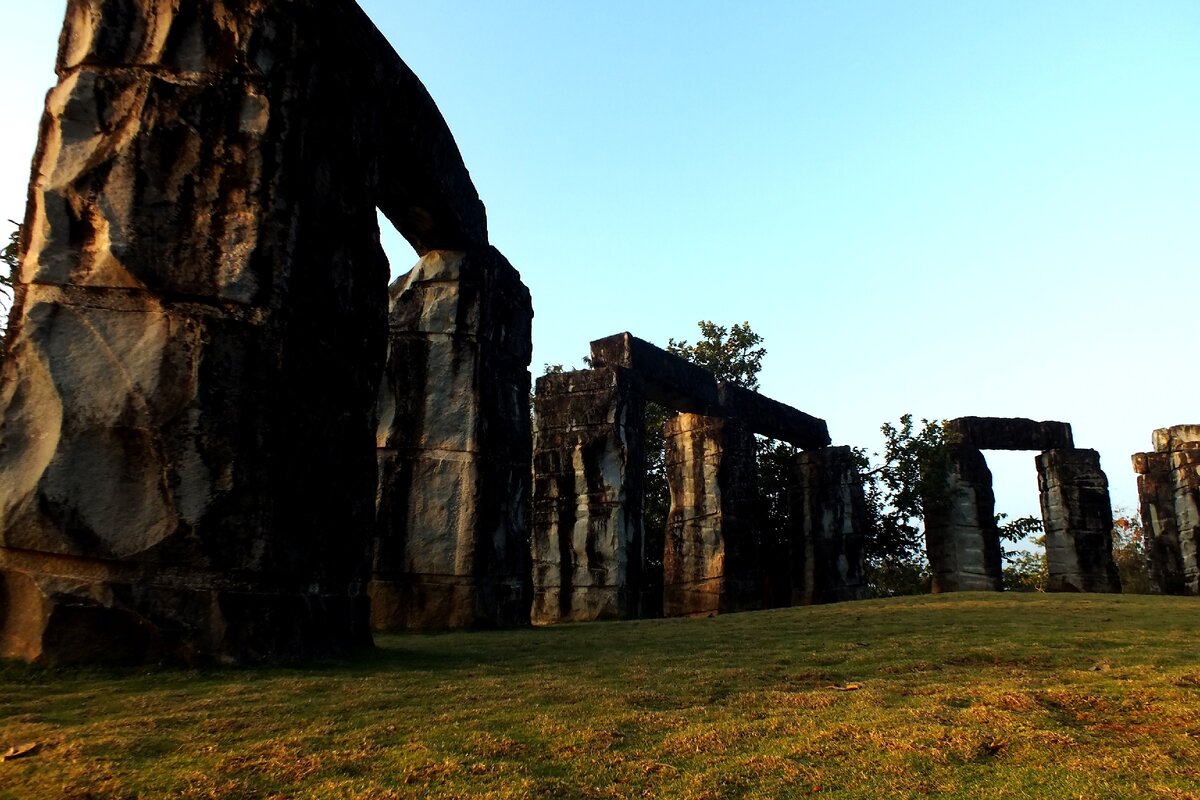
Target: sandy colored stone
[(589, 466), (712, 555)]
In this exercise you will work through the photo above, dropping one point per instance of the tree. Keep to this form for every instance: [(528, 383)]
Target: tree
[(10, 256), (731, 354), (909, 477), (1129, 553), (1026, 571)]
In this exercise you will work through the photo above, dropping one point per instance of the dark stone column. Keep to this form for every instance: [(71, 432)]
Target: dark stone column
[(187, 466), (829, 520), (1078, 520), (1181, 443), (455, 448), (712, 561), (589, 465), (961, 538), (1185, 472), (1156, 493)]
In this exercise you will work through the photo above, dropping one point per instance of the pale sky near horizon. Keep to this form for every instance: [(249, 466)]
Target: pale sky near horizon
[(942, 208)]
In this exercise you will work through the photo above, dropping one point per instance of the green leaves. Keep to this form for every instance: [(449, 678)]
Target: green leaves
[(910, 478), (731, 354)]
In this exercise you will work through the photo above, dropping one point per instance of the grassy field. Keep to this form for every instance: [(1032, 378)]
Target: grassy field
[(967, 695)]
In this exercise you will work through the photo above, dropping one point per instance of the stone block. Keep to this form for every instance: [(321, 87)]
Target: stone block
[(712, 554), (199, 329), (1176, 437), (828, 518), (1078, 520), (961, 538), (454, 458), (589, 464), (1010, 433)]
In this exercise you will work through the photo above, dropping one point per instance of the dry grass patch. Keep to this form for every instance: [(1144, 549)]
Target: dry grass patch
[(956, 696)]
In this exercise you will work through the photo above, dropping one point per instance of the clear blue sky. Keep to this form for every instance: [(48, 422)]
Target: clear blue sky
[(944, 208)]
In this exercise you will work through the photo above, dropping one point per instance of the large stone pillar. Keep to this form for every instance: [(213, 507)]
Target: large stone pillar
[(452, 547), (1156, 493), (829, 521), (712, 561), (961, 538), (589, 465), (1182, 445), (1078, 520), (187, 465)]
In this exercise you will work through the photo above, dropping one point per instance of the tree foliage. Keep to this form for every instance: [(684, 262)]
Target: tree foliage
[(732, 354), (901, 485), (10, 256), (1129, 553)]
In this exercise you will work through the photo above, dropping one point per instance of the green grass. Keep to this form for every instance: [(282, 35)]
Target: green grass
[(967, 695)]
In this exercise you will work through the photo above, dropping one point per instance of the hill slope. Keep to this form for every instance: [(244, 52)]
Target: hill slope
[(971, 695)]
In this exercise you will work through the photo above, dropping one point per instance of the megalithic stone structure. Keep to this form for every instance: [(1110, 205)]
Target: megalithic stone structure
[(1156, 495), (712, 554), (828, 516), (589, 467), (187, 459), (962, 541), (1169, 490), (1078, 520), (452, 548)]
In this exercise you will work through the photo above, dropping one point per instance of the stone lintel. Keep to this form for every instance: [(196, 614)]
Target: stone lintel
[(680, 385), (669, 380), (1011, 433)]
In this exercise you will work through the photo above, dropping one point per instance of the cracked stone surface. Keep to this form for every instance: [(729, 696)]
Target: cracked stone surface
[(187, 460), (1078, 519), (961, 538), (712, 555), (1169, 492), (828, 516), (589, 467), (452, 546)]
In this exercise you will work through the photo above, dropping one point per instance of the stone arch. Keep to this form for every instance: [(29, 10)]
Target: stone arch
[(201, 324)]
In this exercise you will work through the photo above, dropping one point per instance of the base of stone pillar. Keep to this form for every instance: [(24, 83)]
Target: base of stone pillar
[(581, 604), (439, 602), (55, 620)]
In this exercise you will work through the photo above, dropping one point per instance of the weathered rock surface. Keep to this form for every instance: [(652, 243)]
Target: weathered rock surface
[(589, 466), (1010, 433), (828, 514), (1156, 493), (187, 464), (1185, 474), (1169, 489), (680, 385), (961, 538), (452, 546), (1078, 520), (712, 559)]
